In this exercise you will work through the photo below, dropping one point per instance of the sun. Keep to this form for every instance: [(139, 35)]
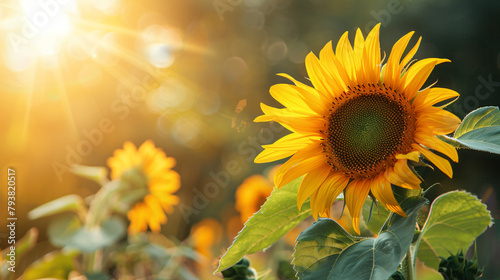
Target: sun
[(53, 49), (42, 26)]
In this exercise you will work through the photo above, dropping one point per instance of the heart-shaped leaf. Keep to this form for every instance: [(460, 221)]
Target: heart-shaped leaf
[(455, 220), (326, 251)]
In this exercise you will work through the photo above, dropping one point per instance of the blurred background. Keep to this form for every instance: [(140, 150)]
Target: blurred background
[(79, 78)]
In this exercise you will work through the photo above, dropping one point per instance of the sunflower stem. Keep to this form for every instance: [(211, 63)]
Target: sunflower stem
[(408, 265), (99, 210), (101, 205)]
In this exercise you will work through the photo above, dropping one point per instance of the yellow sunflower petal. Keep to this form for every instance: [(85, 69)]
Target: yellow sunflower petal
[(401, 175), (293, 140), (290, 98), (345, 54), (434, 95), (440, 162), (355, 196), (269, 155), (359, 44), (138, 219), (416, 76), (437, 121), (297, 83), (434, 143), (284, 147), (168, 202), (334, 66), (331, 188), (155, 207), (382, 190), (311, 182), (413, 156), (392, 69), (409, 55), (299, 164), (307, 99), (273, 114), (372, 60), (304, 125), (321, 78), (160, 164)]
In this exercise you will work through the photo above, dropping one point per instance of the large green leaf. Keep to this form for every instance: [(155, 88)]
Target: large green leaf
[(455, 220), (326, 251), (68, 231), (276, 217), (479, 130)]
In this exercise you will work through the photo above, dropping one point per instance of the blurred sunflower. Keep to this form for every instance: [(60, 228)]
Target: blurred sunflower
[(356, 129), (205, 235), (251, 195), (149, 169)]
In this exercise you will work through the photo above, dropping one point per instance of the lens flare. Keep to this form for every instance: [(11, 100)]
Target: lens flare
[(45, 25)]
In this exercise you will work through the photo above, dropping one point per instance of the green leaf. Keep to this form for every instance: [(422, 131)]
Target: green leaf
[(485, 139), (455, 220), (97, 174), (426, 273), (22, 247), (326, 251), (479, 130), (66, 203), (275, 218), (97, 276), (56, 265), (480, 118), (69, 231)]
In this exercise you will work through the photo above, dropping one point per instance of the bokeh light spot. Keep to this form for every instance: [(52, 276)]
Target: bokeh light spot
[(187, 133), (234, 68), (159, 45)]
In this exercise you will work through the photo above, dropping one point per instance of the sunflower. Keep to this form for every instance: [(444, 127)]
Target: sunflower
[(206, 235), (360, 125), (251, 195), (149, 169)]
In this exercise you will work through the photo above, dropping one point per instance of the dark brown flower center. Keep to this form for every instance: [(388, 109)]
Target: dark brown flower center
[(367, 127)]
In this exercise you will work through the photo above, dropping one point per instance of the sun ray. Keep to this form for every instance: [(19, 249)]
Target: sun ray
[(63, 94)]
